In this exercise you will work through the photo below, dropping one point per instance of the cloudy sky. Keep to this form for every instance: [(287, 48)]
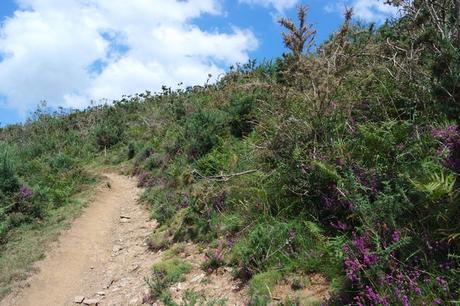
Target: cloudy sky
[(71, 52)]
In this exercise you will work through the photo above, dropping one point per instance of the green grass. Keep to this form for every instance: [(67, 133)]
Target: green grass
[(165, 273), (261, 286)]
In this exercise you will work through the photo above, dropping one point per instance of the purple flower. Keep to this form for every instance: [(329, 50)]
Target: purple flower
[(26, 193), (146, 180), (374, 298), (450, 138), (396, 236), (437, 301), (352, 269), (370, 259), (405, 300), (442, 282)]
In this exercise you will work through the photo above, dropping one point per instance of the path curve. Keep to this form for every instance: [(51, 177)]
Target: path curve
[(103, 255)]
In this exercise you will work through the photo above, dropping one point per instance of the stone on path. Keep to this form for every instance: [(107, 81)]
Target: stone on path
[(91, 302)]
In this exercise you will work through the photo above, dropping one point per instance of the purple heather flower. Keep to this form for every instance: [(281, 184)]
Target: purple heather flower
[(396, 236), (370, 259), (442, 282), (374, 297), (26, 193), (352, 267), (437, 301), (405, 300), (450, 138)]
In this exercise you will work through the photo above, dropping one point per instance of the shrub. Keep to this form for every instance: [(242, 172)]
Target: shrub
[(202, 130), (131, 151), (107, 135), (242, 114), (62, 162), (9, 182), (163, 202)]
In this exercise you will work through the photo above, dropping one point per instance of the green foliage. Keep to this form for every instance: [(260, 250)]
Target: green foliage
[(262, 285), (9, 182), (164, 274), (107, 135), (162, 201), (242, 114), (62, 162), (202, 130)]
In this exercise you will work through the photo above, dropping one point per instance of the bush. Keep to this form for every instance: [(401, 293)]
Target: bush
[(163, 203), (107, 135), (242, 114), (62, 162), (201, 133), (9, 182)]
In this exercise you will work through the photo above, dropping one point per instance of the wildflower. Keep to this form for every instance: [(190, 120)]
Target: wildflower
[(405, 300), (396, 236), (442, 282), (25, 193)]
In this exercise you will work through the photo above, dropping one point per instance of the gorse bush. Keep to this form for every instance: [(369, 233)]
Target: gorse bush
[(9, 182), (201, 133)]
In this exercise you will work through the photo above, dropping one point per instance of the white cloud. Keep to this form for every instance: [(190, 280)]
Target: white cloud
[(73, 51), (279, 5), (367, 10)]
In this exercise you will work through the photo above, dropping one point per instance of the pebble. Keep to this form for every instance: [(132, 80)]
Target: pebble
[(79, 299), (91, 302)]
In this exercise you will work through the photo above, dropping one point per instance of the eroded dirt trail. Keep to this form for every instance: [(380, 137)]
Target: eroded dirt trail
[(102, 256)]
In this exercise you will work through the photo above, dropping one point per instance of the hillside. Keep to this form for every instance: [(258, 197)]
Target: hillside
[(341, 162)]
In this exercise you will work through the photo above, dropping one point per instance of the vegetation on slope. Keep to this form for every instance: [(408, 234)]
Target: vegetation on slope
[(342, 161)]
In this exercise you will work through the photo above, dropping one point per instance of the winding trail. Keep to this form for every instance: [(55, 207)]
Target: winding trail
[(102, 256)]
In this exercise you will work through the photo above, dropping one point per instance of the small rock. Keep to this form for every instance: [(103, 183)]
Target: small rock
[(124, 217), (101, 293), (91, 302), (117, 248), (79, 299)]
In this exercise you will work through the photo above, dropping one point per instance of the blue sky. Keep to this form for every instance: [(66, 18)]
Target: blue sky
[(70, 53)]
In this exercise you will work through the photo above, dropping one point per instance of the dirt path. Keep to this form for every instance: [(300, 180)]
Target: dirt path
[(103, 255)]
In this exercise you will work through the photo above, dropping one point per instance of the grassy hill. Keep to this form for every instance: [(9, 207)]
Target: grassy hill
[(342, 161)]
